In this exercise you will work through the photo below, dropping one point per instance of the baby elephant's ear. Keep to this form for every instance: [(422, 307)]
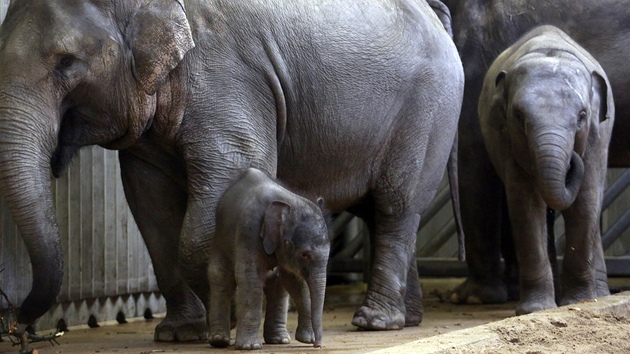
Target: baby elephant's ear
[(497, 117), (601, 88), (273, 228)]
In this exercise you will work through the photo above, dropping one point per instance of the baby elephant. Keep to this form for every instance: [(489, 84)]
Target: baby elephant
[(267, 239), (546, 112)]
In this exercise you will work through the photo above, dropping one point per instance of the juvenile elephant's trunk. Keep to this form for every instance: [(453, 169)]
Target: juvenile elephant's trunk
[(26, 141), (317, 289), (560, 174)]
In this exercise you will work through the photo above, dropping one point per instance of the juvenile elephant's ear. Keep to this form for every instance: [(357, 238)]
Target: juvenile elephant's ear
[(273, 228), (160, 37), (497, 117), (601, 88)]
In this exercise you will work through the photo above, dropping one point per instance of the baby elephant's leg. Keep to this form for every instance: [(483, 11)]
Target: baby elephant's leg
[(275, 327)]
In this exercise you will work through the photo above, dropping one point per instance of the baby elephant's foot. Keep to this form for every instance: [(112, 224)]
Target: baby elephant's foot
[(219, 340), (248, 343), (304, 334), (279, 336), (378, 318)]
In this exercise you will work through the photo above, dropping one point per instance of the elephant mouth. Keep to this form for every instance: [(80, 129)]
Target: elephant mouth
[(570, 173)]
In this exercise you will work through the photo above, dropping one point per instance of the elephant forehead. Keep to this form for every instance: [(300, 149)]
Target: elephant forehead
[(551, 79)]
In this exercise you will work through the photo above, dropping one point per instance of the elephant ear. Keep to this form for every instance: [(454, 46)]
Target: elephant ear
[(601, 88), (497, 116), (274, 225), (160, 37)]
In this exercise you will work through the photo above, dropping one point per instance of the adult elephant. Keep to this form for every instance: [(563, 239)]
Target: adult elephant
[(355, 102), (482, 29)]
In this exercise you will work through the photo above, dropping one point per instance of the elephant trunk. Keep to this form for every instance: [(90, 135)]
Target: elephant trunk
[(560, 173), (317, 289), (26, 144)]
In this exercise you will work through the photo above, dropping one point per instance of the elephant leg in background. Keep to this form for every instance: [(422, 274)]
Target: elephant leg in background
[(277, 305), (528, 214), (158, 204), (583, 279), (481, 196), (299, 291)]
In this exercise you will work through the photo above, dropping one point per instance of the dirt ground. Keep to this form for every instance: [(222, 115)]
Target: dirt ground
[(583, 332)]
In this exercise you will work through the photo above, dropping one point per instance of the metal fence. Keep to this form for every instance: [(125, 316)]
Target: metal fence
[(436, 246)]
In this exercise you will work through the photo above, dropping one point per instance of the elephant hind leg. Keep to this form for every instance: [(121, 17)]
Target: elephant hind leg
[(414, 309), (384, 305)]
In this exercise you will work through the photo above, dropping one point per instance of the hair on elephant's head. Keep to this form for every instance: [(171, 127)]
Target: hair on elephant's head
[(549, 102), (74, 73)]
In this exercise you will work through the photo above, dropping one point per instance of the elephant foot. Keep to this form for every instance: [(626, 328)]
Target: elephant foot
[(373, 317), (185, 320), (304, 334), (525, 308), (180, 330), (473, 292), (248, 343), (219, 340), (279, 336), (413, 313), (533, 304), (572, 296)]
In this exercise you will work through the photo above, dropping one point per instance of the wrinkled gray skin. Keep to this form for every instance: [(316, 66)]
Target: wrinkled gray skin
[(261, 226), (482, 29), (355, 102), (546, 113)]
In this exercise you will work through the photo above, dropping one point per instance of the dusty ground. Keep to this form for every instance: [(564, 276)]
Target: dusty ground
[(582, 332)]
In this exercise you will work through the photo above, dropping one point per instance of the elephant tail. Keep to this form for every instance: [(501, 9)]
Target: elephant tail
[(453, 182)]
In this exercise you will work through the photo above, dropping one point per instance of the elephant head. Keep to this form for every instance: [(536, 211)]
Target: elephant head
[(298, 236), (74, 73), (549, 103)]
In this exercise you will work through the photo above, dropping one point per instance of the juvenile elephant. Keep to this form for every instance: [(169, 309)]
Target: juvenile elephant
[(482, 29), (260, 226), (546, 113), (356, 102)]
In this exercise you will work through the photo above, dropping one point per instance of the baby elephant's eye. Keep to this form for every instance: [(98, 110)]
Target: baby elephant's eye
[(306, 255), (581, 119)]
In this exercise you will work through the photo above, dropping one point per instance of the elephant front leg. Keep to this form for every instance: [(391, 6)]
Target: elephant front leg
[(583, 269), (275, 327), (222, 288), (249, 300), (158, 205), (383, 307), (528, 214), (301, 295)]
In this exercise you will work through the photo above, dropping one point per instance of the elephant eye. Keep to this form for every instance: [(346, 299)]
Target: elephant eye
[(581, 119), (65, 62), (306, 256), (519, 117)]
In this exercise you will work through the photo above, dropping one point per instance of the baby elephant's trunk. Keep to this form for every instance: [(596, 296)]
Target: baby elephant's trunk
[(317, 288), (559, 181)]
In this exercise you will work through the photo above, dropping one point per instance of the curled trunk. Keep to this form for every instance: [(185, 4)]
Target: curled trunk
[(559, 180), (25, 184)]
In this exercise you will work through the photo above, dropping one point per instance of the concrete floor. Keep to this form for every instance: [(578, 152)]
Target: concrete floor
[(339, 334)]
